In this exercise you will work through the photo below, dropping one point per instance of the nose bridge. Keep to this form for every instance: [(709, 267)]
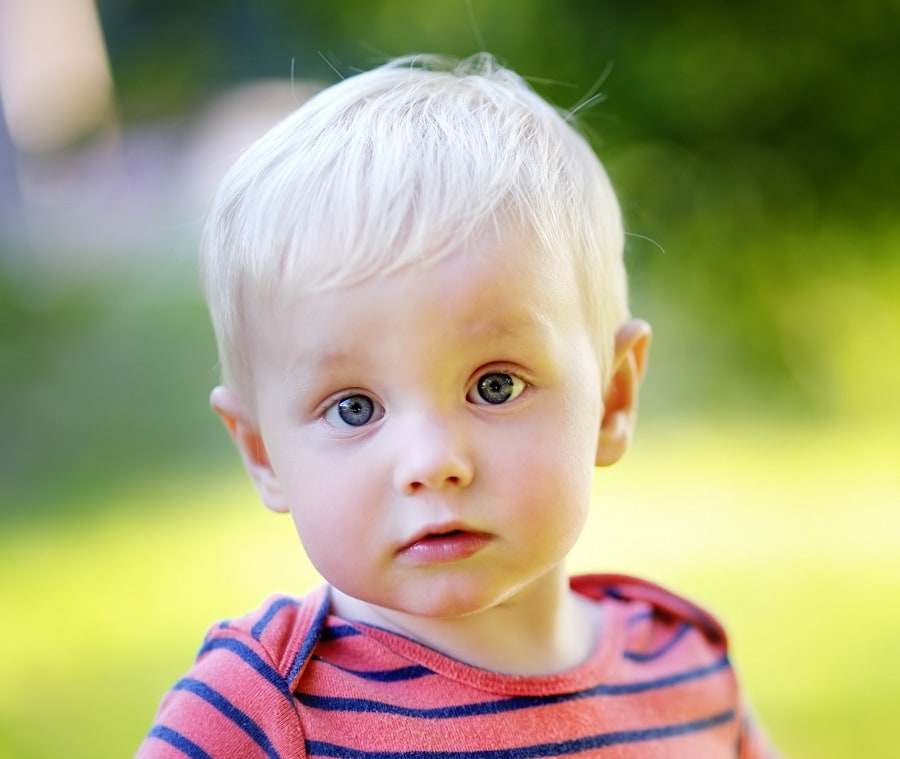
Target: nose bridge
[(433, 452)]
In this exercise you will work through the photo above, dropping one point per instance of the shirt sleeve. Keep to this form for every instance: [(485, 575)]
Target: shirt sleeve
[(234, 702)]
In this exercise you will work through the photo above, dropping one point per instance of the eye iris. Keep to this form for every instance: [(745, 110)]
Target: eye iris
[(356, 410), (496, 388)]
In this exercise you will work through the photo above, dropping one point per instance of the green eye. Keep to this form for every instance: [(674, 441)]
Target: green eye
[(496, 388)]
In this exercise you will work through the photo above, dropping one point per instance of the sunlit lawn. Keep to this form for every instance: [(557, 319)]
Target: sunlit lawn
[(792, 536)]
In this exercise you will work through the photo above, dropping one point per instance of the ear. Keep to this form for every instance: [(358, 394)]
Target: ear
[(621, 394), (242, 428)]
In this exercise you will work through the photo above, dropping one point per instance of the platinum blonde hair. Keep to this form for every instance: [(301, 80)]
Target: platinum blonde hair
[(400, 166)]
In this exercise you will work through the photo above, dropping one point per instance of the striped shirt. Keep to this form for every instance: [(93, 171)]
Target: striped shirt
[(291, 680)]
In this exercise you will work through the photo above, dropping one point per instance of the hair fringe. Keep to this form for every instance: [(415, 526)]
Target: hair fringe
[(401, 166)]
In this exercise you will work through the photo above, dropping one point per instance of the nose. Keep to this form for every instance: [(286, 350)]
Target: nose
[(432, 455)]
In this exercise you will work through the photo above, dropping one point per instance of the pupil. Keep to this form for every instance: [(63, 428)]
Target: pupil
[(356, 410), (495, 388)]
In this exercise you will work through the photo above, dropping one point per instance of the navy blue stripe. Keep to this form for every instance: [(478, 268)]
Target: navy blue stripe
[(256, 662), (613, 592), (603, 740), (400, 674), (310, 639), (329, 703), (257, 630), (176, 739), (334, 632), (641, 616), (229, 710), (664, 649)]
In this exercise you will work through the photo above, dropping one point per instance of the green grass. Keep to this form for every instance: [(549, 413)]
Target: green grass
[(790, 535)]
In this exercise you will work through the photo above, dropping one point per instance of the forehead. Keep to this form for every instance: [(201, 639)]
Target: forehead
[(491, 290)]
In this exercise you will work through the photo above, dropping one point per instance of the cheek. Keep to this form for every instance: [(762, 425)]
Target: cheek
[(334, 538), (548, 468), (332, 508), (563, 456)]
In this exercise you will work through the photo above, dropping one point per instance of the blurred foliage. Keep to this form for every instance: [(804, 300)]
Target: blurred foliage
[(754, 148), (100, 384), (804, 87), (743, 139)]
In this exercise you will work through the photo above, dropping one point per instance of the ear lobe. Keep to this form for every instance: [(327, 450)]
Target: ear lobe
[(242, 428), (621, 396)]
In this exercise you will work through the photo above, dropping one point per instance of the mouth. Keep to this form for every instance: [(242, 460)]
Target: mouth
[(443, 545), (444, 534)]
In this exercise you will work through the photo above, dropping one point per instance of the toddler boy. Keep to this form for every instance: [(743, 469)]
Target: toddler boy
[(417, 287)]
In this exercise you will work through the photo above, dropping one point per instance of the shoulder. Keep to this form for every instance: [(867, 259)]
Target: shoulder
[(237, 699), (674, 651), (651, 604), (283, 631)]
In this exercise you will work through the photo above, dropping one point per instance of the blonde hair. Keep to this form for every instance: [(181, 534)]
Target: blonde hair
[(401, 165)]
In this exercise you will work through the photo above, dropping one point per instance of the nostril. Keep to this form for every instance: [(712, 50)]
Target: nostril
[(415, 486)]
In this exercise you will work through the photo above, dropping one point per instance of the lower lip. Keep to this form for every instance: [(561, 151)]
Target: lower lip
[(443, 549)]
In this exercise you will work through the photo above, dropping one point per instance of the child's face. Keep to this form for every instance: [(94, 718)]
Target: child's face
[(433, 433)]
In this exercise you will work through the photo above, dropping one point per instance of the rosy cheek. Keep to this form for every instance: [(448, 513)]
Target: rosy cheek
[(326, 540)]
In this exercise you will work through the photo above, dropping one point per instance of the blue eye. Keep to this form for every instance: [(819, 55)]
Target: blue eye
[(354, 411), (495, 388)]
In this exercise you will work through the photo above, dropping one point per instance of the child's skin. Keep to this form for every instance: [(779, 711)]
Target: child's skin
[(433, 434)]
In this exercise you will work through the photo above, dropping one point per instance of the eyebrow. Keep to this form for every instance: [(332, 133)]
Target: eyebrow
[(306, 372), (312, 367), (309, 369), (516, 324)]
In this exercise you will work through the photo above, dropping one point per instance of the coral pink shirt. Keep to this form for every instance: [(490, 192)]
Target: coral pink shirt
[(291, 680)]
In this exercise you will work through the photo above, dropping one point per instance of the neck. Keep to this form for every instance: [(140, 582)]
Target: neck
[(544, 629)]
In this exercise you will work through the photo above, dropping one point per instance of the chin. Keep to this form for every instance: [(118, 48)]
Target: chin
[(452, 601)]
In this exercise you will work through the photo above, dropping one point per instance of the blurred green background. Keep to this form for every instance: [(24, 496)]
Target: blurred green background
[(755, 150)]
